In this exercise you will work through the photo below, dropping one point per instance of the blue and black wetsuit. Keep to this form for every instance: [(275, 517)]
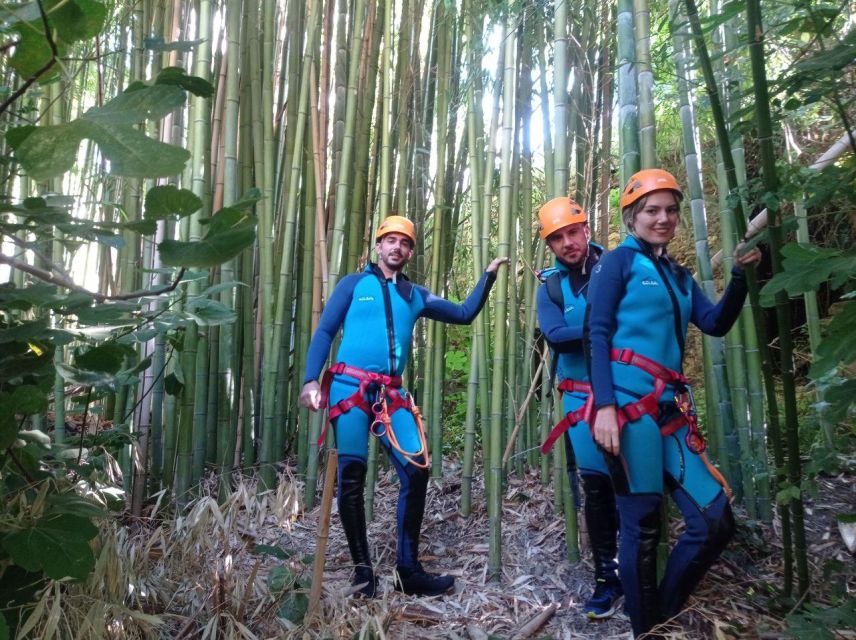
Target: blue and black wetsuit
[(377, 317), (643, 303), (562, 319)]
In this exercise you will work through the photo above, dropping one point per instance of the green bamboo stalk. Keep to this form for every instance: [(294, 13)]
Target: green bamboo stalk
[(560, 99), (498, 390), (628, 113), (774, 436), (783, 312), (645, 84)]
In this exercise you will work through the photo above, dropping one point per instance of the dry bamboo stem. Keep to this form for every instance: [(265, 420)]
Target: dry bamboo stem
[(323, 532), (518, 420), (535, 623)]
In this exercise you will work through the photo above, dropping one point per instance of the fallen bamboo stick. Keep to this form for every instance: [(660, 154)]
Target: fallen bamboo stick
[(535, 623), (323, 532)]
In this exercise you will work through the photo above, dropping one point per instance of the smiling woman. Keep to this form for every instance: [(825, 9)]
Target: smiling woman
[(641, 304)]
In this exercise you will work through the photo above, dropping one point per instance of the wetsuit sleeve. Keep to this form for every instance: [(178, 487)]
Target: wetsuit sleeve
[(561, 337), (605, 292), (717, 319), (329, 324), (437, 308)]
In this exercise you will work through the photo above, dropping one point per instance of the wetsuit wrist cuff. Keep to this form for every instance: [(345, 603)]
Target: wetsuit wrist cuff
[(604, 405)]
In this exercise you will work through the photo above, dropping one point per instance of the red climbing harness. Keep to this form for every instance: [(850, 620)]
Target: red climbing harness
[(389, 400), (583, 414), (648, 404)]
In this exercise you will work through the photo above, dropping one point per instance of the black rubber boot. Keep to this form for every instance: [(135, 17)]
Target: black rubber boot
[(418, 582), (412, 578), (649, 593), (352, 478), (707, 534), (602, 522)]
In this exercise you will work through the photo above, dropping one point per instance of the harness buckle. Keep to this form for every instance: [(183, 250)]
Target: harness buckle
[(625, 356)]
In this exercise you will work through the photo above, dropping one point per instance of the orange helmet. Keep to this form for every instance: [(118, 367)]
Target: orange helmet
[(396, 224), (644, 182), (557, 213)]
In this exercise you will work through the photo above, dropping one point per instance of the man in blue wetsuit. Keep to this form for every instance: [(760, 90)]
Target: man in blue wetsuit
[(377, 310), (561, 313), (640, 305)]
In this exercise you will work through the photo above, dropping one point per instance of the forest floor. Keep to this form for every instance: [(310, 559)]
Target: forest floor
[(732, 602), (240, 568)]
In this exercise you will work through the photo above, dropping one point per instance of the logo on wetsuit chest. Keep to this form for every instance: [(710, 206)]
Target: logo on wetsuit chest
[(365, 299), (647, 282), (569, 308)]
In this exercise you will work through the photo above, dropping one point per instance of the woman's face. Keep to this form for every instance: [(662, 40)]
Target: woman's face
[(656, 222)]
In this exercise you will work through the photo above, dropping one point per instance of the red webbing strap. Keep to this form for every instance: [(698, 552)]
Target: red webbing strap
[(647, 405), (356, 399), (583, 414)]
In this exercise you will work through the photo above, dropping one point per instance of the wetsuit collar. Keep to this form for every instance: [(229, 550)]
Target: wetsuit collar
[(578, 276), (402, 282)]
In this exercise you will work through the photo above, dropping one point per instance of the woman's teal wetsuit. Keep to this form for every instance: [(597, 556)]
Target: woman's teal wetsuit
[(642, 303)]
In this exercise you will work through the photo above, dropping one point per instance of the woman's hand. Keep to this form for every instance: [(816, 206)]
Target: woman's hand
[(743, 260), (494, 265), (606, 432)]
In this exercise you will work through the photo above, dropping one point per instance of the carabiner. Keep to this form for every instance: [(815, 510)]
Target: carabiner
[(378, 432)]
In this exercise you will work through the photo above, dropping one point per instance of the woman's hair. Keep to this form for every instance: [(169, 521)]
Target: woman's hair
[(628, 214)]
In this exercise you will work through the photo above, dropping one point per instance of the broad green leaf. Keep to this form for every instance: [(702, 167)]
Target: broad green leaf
[(24, 298), (280, 579), (206, 312), (143, 227), (56, 544), (177, 76), (788, 494), (158, 44), (71, 503), (171, 385), (25, 331), (228, 235), (247, 200), (269, 550), (69, 21), (105, 358), (25, 399), (223, 286), (838, 345), (13, 12), (47, 151), (294, 607), (167, 200), (87, 378), (806, 267)]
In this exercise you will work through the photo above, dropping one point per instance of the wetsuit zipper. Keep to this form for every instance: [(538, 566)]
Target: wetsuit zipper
[(390, 332), (676, 309)]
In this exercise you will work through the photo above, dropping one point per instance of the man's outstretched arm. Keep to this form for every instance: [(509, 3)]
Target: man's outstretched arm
[(437, 308)]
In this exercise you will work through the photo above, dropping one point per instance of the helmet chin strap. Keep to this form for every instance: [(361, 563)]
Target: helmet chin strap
[(586, 257)]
